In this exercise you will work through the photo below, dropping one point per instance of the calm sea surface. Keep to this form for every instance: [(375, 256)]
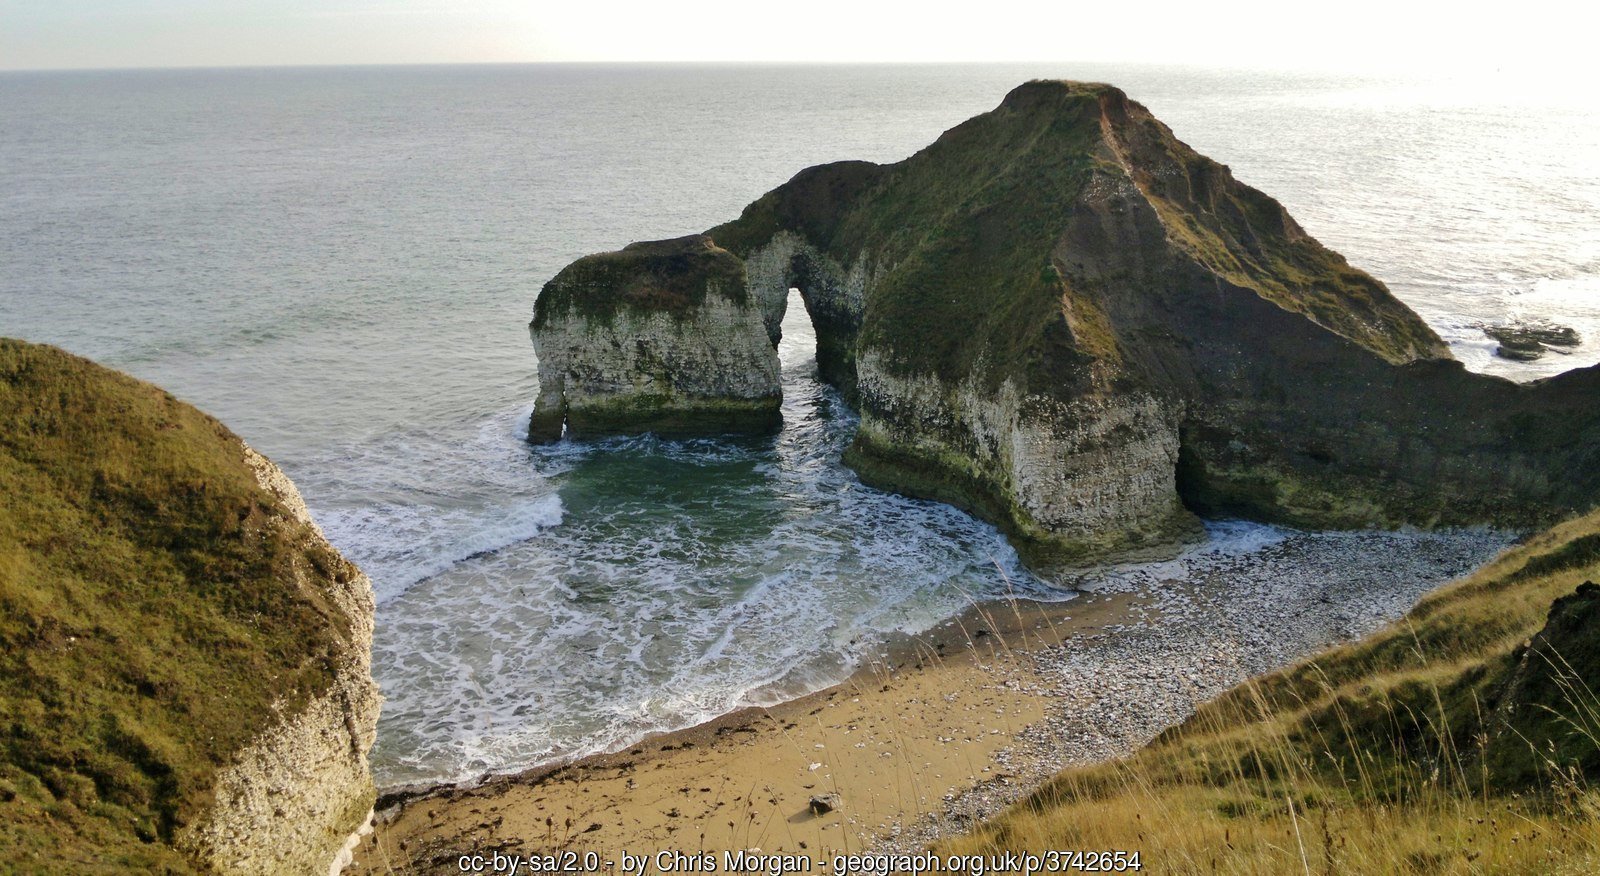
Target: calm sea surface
[(340, 263)]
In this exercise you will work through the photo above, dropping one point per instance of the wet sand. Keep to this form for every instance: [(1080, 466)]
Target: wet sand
[(896, 742)]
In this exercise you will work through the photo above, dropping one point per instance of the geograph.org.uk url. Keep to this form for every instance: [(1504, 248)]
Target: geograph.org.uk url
[(1025, 863)]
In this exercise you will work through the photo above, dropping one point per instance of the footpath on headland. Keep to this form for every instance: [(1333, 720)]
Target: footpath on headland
[(950, 726)]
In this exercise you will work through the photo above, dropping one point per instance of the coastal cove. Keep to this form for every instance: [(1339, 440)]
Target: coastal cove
[(947, 727), (357, 313)]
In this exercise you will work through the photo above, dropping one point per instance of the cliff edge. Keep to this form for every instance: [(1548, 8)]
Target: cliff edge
[(1060, 317), (184, 659)]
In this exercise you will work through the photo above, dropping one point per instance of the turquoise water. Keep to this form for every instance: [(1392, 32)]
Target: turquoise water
[(340, 263)]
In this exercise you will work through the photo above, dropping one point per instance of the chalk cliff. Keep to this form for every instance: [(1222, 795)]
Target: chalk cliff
[(184, 659), (1064, 319)]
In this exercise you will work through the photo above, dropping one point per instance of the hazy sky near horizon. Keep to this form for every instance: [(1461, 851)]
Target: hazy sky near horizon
[(1358, 35)]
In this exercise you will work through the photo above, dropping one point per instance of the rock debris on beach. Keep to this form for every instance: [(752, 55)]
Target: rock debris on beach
[(1203, 623)]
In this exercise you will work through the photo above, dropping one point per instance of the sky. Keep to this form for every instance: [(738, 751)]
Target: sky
[(1359, 35)]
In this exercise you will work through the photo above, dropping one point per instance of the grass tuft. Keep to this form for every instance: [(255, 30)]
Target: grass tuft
[(1464, 738)]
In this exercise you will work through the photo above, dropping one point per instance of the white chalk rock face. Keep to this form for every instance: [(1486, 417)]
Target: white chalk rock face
[(835, 297), (210, 702), (1095, 473), (292, 800), (659, 337)]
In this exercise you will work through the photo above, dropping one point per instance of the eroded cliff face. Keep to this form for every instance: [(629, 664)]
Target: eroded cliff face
[(297, 797), (835, 298), (184, 659), (1065, 320), (1096, 472)]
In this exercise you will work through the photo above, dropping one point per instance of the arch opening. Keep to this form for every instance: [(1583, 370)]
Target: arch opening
[(797, 340)]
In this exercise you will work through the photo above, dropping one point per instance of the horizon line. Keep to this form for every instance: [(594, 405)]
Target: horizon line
[(174, 68)]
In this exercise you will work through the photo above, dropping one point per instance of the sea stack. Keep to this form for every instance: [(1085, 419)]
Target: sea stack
[(1063, 319), (184, 659), (661, 337)]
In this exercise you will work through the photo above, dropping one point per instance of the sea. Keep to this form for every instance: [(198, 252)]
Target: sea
[(341, 263)]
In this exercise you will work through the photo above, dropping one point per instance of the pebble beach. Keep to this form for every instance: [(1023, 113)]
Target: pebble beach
[(952, 725)]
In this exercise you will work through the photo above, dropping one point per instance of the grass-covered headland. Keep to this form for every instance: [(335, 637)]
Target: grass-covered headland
[(1464, 738), (155, 614)]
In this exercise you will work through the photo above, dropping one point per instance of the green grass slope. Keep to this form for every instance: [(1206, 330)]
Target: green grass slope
[(967, 225), (657, 276), (970, 232), (1461, 739), (151, 614)]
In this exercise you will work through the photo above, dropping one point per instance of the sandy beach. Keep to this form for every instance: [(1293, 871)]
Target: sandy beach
[(947, 726), (894, 743)]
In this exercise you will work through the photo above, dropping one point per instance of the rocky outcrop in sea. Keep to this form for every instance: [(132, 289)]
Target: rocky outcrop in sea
[(1063, 319)]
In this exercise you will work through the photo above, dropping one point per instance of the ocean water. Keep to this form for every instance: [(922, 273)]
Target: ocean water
[(340, 263)]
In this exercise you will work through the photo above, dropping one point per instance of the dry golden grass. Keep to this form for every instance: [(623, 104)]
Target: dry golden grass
[(1224, 830), (1417, 750)]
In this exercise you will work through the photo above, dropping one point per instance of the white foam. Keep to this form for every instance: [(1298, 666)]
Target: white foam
[(399, 545), (698, 577), (424, 501)]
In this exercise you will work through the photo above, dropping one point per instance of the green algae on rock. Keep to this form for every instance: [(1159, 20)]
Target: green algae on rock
[(1061, 318), (184, 660)]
